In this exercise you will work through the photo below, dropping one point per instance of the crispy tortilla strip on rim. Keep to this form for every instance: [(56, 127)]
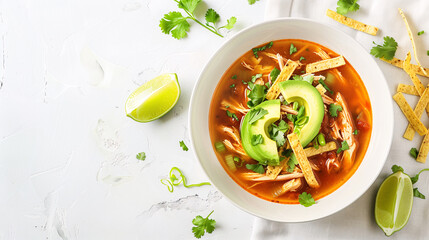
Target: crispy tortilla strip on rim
[(410, 34), (349, 22), (302, 160), (284, 75), (312, 151), (274, 171), (409, 114), (424, 150), (420, 107), (325, 64), (399, 63), (407, 89), (321, 89), (416, 81)]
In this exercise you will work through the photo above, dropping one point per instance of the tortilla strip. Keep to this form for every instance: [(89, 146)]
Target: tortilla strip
[(312, 151), (284, 75), (424, 150), (302, 160), (349, 22), (274, 171), (325, 64), (407, 68), (321, 89), (409, 114), (418, 110), (399, 63), (410, 34), (408, 89)]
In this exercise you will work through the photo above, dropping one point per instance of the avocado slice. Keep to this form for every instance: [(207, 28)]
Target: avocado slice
[(305, 94), (266, 152)]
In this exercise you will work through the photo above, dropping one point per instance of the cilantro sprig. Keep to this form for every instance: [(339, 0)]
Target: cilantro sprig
[(344, 146), (203, 225), (386, 51), (177, 25), (346, 6), (334, 109), (258, 168), (183, 146), (141, 156), (416, 193), (256, 114), (414, 153), (306, 199)]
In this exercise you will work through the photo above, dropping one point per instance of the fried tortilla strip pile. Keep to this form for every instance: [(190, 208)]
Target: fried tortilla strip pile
[(420, 107), (409, 114), (399, 63), (325, 64), (284, 75), (407, 89), (349, 22), (424, 150), (274, 171), (302, 160)]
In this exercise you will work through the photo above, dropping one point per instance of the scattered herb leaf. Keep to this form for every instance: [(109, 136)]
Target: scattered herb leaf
[(259, 168), (257, 139), (172, 180), (230, 23), (420, 33), (212, 16), (386, 51), (232, 85), (416, 178), (141, 156), (256, 95), (334, 109), (256, 77), (256, 50), (306, 199), (396, 168), (298, 78), (292, 162), (256, 114), (414, 153), (418, 194), (251, 2), (355, 132), (346, 6), (344, 146), (176, 24), (301, 59), (203, 225), (292, 49), (274, 74), (232, 115), (183, 146), (234, 77)]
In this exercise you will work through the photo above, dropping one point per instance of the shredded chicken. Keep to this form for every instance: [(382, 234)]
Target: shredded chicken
[(236, 148), (233, 106), (327, 100), (332, 164), (232, 132), (289, 186), (252, 176), (280, 61), (246, 65), (288, 109)]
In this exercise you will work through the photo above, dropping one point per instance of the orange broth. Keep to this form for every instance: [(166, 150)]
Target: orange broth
[(352, 89)]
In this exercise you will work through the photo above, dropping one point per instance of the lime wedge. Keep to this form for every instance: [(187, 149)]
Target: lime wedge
[(154, 98), (394, 203)]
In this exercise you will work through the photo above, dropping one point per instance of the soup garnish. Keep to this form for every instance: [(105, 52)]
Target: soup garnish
[(289, 120)]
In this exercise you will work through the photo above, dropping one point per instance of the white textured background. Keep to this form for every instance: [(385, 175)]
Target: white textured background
[(67, 151)]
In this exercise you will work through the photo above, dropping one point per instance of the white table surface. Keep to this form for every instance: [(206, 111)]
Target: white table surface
[(67, 151)]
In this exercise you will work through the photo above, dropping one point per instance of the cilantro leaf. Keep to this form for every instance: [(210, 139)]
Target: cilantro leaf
[(386, 51), (141, 156), (183, 146), (427, 52), (258, 168), (345, 6), (414, 153), (334, 109), (232, 85), (230, 23), (292, 49), (306, 199), (255, 77), (416, 178), (274, 74), (257, 139), (418, 194), (256, 95), (234, 77), (344, 146), (298, 78), (355, 132), (283, 126), (189, 5), (251, 2), (292, 163), (212, 16), (203, 225), (174, 23), (396, 168), (420, 33), (238, 161), (256, 50), (325, 86), (232, 115), (277, 132), (256, 114), (301, 59)]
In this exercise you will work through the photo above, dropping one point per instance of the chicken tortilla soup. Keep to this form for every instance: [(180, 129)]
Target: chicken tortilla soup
[(288, 118)]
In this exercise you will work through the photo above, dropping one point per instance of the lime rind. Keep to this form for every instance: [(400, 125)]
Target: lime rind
[(154, 98), (394, 203)]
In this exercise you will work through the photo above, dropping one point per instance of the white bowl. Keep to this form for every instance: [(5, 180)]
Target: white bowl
[(363, 63)]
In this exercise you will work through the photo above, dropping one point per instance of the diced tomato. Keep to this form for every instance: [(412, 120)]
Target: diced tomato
[(362, 125)]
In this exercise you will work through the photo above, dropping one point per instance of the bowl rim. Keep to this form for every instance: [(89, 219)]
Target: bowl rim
[(389, 106)]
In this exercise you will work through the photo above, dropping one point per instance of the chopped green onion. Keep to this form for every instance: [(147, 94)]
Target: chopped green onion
[(295, 106), (229, 160), (219, 146), (172, 180)]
